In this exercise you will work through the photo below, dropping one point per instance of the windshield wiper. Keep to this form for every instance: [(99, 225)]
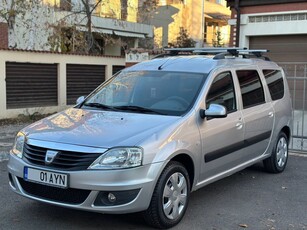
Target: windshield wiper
[(100, 106), (135, 108)]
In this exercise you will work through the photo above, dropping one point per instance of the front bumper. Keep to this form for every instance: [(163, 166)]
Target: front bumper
[(92, 185)]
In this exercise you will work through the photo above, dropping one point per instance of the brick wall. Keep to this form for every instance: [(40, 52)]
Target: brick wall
[(233, 30), (3, 35), (274, 8)]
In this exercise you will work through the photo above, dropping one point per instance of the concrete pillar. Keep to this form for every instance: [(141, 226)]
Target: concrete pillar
[(136, 43), (62, 88), (109, 71), (2, 87)]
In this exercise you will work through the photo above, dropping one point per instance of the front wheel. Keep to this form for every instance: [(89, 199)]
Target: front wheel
[(277, 162), (170, 197)]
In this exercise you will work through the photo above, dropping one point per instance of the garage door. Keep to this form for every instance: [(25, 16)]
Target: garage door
[(287, 48), (31, 85), (83, 79), (291, 53)]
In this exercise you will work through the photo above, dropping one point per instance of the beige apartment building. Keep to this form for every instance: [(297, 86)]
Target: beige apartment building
[(204, 21)]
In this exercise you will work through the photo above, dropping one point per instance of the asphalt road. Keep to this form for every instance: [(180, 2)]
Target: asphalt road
[(250, 199), (7, 137)]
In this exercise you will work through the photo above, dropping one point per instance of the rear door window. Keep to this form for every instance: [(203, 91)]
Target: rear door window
[(251, 88), (275, 83)]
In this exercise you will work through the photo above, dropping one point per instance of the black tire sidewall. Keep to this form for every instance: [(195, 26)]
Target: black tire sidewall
[(168, 171)]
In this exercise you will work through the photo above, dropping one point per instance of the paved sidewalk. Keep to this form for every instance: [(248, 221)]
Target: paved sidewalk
[(7, 136)]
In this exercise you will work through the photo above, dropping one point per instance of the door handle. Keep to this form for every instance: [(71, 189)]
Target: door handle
[(239, 125), (271, 114)]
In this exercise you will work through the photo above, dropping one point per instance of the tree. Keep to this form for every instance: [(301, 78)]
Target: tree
[(68, 25), (24, 18), (183, 40), (68, 37), (9, 10), (219, 40), (89, 8)]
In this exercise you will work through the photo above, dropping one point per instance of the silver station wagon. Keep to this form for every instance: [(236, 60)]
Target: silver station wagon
[(157, 131)]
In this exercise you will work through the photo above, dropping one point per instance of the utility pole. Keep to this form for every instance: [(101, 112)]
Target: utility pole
[(202, 23), (238, 24)]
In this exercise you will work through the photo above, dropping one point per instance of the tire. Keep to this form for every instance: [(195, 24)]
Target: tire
[(277, 162), (170, 198)]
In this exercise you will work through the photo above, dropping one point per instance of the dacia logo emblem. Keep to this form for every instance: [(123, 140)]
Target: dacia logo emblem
[(50, 156)]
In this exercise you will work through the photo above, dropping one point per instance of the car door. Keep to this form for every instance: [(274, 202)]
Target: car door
[(257, 112), (222, 138)]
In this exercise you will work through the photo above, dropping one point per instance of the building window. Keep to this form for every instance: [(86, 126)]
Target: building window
[(278, 18), (221, 2), (124, 9), (65, 5), (170, 2)]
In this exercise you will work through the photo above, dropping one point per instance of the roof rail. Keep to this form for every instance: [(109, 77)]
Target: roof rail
[(204, 49), (220, 52)]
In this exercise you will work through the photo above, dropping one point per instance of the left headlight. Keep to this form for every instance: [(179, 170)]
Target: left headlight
[(18, 145), (119, 158)]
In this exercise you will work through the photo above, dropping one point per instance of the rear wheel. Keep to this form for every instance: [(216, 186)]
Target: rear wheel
[(277, 162), (170, 198)]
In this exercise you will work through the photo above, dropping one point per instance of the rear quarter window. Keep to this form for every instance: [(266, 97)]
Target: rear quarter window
[(275, 83)]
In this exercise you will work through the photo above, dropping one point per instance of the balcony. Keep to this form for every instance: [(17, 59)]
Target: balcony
[(107, 25)]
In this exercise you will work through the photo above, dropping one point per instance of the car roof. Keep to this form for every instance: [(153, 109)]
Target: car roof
[(199, 64)]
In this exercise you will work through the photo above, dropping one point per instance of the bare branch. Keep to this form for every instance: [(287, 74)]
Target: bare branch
[(95, 6)]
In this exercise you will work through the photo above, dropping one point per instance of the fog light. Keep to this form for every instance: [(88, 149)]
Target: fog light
[(111, 197)]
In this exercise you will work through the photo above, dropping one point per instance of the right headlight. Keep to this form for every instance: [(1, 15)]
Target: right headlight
[(119, 158), (18, 145)]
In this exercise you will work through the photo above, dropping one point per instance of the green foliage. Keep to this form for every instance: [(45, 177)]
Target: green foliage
[(183, 40), (219, 40)]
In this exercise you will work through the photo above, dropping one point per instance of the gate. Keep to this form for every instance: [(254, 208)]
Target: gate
[(296, 73)]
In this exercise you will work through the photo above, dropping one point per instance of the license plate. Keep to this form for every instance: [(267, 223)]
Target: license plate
[(46, 177)]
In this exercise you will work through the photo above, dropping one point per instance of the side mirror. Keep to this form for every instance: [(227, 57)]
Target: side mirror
[(214, 111), (80, 100)]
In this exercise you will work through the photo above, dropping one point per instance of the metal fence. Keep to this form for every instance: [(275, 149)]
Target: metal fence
[(296, 74)]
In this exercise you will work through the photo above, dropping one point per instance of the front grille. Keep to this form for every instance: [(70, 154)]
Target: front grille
[(68, 196), (65, 160)]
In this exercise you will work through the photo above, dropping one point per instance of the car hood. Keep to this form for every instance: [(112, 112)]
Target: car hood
[(103, 129)]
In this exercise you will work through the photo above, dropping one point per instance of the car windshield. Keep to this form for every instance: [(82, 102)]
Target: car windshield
[(155, 92)]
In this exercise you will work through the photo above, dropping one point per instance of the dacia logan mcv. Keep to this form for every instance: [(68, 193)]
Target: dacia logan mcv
[(155, 132)]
